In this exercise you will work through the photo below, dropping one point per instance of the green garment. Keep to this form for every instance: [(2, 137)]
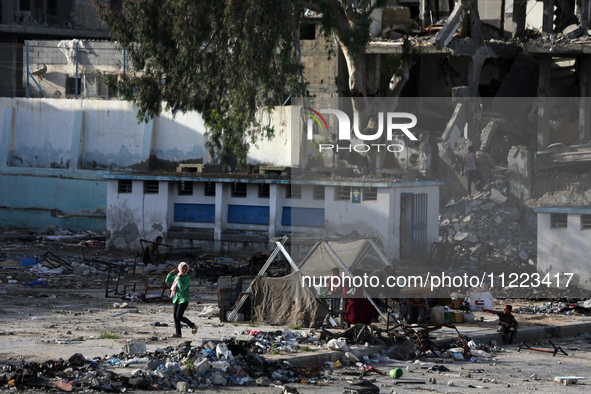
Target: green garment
[(182, 294)]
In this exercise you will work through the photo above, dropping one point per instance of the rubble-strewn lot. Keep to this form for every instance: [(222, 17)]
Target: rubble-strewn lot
[(59, 332)]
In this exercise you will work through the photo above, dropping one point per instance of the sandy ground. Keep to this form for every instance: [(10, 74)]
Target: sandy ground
[(68, 316)]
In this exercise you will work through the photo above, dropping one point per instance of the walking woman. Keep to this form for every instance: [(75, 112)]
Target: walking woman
[(179, 292)]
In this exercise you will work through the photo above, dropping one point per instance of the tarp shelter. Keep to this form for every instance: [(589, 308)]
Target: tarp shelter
[(274, 295), (345, 254), (274, 303)]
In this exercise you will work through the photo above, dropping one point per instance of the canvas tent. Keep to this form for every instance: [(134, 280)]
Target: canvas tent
[(285, 300), (274, 304)]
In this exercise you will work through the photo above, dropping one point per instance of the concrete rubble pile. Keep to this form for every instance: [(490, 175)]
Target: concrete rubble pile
[(546, 308), (489, 228)]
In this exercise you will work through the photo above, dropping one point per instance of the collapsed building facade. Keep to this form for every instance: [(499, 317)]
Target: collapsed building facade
[(475, 54)]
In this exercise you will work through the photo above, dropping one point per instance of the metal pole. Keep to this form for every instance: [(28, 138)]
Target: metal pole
[(76, 82), (124, 61), (28, 96)]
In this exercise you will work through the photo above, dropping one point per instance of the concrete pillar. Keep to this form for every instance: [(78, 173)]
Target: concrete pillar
[(220, 219), (548, 21), (476, 63), (585, 13), (6, 136), (147, 144), (584, 101), (544, 105), (75, 152), (274, 212), (519, 14), (422, 12)]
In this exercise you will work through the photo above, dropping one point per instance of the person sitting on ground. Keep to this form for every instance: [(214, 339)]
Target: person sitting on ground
[(415, 311), (507, 325), (152, 254)]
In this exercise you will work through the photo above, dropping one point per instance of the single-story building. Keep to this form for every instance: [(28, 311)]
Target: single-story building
[(564, 242), (241, 215)]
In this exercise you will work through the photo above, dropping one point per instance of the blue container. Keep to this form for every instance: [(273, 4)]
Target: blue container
[(29, 260)]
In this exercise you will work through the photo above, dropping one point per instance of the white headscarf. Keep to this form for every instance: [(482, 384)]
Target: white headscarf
[(176, 280)]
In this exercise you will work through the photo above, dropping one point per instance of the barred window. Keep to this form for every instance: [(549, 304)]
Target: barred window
[(558, 220), (185, 188), (294, 192), (239, 190), (124, 186), (342, 193), (151, 187)]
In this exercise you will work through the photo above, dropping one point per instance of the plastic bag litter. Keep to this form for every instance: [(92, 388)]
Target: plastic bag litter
[(337, 344)]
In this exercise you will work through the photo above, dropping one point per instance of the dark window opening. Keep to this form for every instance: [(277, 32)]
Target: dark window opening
[(294, 192), (585, 222), (185, 188), (264, 190), (342, 193), (151, 187), (52, 7), (318, 193), (124, 186), (239, 190), (370, 194), (25, 5), (209, 189), (558, 220), (307, 31), (71, 86)]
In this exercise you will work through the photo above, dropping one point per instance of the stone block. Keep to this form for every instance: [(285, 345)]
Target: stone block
[(133, 348)]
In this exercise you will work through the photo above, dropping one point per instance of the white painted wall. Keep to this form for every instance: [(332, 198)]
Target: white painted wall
[(111, 137), (565, 249), (276, 151), (135, 215)]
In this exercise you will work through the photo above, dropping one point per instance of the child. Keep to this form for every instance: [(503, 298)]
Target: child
[(179, 292)]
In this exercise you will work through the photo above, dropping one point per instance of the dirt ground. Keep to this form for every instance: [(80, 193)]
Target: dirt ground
[(70, 314)]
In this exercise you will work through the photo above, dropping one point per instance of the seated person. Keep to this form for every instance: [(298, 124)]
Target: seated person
[(507, 325), (415, 311), (359, 310), (152, 254)]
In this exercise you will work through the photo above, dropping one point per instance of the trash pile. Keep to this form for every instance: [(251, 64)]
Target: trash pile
[(563, 308), (249, 358)]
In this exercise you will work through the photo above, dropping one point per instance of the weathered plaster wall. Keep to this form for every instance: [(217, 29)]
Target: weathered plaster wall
[(55, 152), (563, 250)]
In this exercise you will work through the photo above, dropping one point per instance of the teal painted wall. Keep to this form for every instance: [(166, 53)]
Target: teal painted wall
[(39, 198)]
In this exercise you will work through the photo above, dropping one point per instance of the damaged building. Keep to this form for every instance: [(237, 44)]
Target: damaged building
[(508, 78)]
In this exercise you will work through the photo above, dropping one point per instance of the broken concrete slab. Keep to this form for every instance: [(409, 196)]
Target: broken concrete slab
[(497, 196)]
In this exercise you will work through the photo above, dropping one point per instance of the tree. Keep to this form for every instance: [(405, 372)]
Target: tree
[(228, 59)]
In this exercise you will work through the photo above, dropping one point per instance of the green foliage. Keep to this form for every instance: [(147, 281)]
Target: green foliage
[(108, 335), (230, 61), (189, 365), (296, 327), (224, 59)]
